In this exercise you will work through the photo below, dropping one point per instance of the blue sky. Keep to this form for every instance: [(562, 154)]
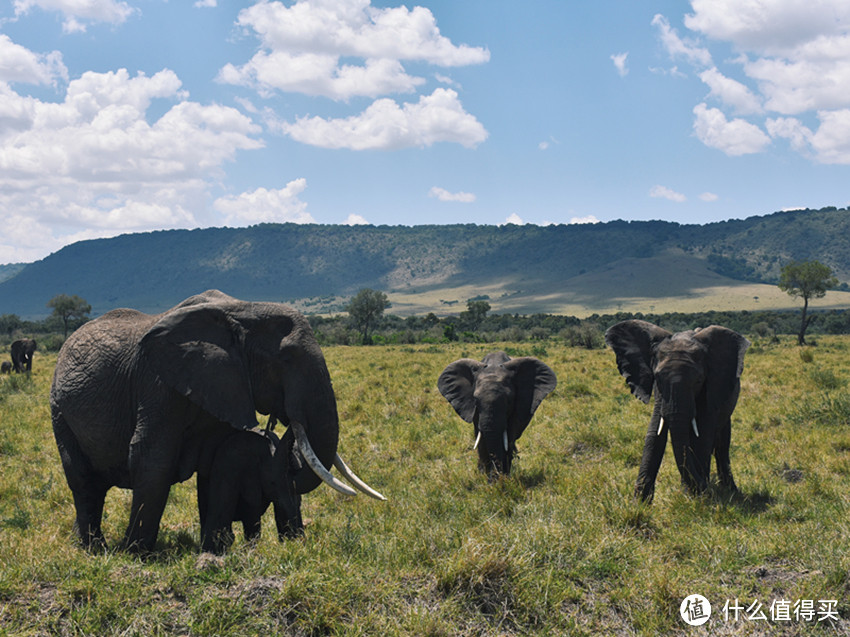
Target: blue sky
[(133, 115)]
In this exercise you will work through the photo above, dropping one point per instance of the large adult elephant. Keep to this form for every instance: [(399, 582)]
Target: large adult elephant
[(498, 395), (135, 399), (695, 376), (22, 352)]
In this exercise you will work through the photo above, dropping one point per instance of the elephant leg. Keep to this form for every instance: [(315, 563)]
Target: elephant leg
[(653, 452), (721, 456), (87, 487), (203, 489), (145, 514)]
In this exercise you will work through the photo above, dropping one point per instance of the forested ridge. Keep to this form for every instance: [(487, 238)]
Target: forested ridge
[(152, 271)]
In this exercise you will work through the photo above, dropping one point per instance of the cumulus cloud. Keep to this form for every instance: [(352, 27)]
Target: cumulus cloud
[(444, 195), (677, 47), (355, 220), (709, 197), (581, 220), (662, 192), (792, 65), (514, 219), (302, 48), (99, 163), (384, 125), (19, 64), (733, 137), (266, 206), (731, 92), (77, 13), (619, 60)]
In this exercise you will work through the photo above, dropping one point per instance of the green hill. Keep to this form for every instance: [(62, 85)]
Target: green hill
[(575, 269)]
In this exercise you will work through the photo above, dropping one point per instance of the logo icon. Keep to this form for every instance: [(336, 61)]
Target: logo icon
[(695, 610)]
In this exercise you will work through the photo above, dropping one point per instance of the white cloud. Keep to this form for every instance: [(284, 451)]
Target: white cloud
[(77, 12), (384, 125), (619, 60), (266, 206), (444, 195), (206, 4), (582, 220), (99, 160), (792, 60), (735, 137), (662, 192), (731, 92), (19, 64), (302, 47), (677, 47), (355, 220), (514, 219), (709, 197)]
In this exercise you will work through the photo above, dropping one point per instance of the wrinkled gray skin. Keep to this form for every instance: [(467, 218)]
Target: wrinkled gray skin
[(695, 375), (237, 480), (498, 395), (22, 352), (136, 397)]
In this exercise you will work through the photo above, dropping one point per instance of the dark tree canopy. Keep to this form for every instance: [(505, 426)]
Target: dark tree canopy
[(806, 280), (69, 308), (365, 309)]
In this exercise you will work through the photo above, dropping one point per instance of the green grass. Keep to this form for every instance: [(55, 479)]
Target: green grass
[(559, 548)]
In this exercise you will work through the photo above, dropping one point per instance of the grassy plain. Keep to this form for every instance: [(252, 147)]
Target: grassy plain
[(559, 548)]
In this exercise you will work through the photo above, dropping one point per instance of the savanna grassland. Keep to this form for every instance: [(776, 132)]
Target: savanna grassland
[(559, 548)]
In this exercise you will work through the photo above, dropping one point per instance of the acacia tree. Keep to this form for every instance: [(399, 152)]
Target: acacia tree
[(69, 308), (365, 308), (806, 280)]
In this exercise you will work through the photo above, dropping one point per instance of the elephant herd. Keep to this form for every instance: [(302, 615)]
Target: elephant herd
[(22, 352), (144, 401)]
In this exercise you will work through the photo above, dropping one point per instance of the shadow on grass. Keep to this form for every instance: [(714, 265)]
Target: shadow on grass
[(750, 503)]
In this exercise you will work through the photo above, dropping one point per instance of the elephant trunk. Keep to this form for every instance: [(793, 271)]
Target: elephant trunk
[(494, 447), (684, 436), (313, 405)]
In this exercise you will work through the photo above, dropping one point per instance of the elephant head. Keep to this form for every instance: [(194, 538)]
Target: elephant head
[(695, 376), (498, 395), (234, 358)]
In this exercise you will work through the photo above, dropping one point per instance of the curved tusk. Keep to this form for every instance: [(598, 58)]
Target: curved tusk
[(349, 475), (694, 423), (660, 426), (477, 440), (505, 439), (313, 460)]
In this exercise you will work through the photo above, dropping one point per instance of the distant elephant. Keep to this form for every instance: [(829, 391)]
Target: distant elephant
[(6, 367), (135, 398), (696, 378), (498, 395), (22, 351), (240, 476)]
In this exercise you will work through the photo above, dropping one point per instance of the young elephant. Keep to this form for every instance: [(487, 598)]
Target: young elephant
[(240, 475), (498, 395), (6, 367), (696, 378)]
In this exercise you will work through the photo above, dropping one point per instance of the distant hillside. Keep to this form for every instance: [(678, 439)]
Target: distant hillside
[(576, 269)]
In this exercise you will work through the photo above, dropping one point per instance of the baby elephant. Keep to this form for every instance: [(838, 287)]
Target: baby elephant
[(6, 367), (246, 471)]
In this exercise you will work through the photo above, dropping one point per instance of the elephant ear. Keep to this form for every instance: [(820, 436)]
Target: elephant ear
[(634, 344), (457, 384), (197, 351), (533, 381), (724, 363)]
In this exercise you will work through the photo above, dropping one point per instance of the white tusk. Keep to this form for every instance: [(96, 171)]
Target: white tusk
[(694, 423), (505, 439), (315, 464), (660, 426), (477, 440), (348, 474)]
